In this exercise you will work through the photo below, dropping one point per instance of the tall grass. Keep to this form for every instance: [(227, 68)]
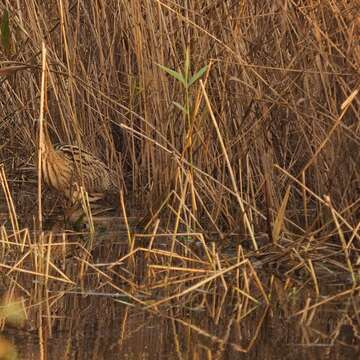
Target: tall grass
[(279, 75)]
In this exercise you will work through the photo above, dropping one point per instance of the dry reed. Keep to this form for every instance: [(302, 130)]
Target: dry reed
[(248, 168)]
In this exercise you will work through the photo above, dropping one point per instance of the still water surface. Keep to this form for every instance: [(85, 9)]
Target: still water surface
[(95, 327), (92, 320)]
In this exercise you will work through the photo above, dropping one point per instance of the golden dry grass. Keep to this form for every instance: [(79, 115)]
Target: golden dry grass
[(261, 152)]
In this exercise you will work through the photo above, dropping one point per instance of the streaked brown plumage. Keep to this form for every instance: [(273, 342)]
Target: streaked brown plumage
[(67, 167)]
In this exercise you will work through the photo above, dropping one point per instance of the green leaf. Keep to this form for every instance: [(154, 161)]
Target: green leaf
[(5, 30), (198, 75), (182, 108), (177, 75)]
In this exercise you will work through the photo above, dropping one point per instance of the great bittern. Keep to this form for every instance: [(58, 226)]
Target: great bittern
[(67, 167)]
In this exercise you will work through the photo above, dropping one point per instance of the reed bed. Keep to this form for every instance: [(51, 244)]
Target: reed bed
[(235, 126)]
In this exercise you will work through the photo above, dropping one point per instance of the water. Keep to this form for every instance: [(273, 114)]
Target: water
[(94, 319), (100, 327)]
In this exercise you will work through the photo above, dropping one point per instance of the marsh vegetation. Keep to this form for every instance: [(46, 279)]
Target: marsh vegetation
[(233, 130)]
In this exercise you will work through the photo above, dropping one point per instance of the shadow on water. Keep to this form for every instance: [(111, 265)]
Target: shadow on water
[(109, 312)]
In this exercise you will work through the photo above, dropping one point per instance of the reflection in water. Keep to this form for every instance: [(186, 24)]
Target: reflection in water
[(101, 304), (94, 327)]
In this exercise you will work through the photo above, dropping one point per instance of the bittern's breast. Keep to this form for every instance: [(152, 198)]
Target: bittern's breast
[(66, 168)]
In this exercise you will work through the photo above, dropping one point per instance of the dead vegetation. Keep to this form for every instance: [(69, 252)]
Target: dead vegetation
[(236, 124)]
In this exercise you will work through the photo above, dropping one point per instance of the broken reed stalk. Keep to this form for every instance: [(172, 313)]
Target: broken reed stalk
[(10, 204), (342, 240), (344, 107), (230, 170)]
